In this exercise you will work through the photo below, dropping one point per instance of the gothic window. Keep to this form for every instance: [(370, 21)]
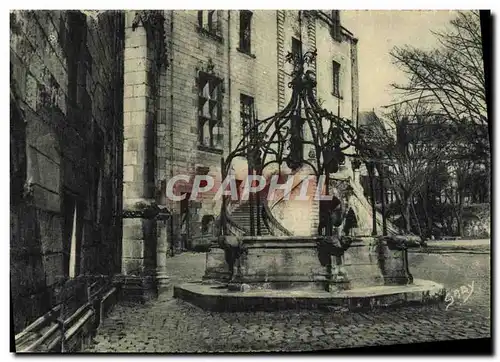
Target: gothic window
[(296, 48), (207, 21), (245, 31), (336, 28), (209, 110), (336, 79), (207, 224), (246, 112)]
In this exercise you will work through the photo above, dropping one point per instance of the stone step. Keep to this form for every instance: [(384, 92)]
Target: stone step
[(241, 216)]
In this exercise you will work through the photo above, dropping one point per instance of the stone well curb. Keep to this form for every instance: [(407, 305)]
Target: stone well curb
[(218, 299)]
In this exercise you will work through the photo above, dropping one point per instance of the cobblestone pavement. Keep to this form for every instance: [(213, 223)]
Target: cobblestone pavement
[(169, 325)]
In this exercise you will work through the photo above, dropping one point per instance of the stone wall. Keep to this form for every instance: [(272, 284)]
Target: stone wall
[(477, 221), (191, 51), (145, 239), (66, 82)]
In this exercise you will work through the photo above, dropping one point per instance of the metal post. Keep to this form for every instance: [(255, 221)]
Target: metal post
[(384, 218), (329, 231), (222, 229), (252, 221), (171, 224), (258, 209), (372, 187)]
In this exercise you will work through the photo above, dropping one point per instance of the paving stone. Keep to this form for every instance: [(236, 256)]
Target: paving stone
[(168, 326)]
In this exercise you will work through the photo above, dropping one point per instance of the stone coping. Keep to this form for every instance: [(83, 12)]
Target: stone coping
[(216, 297), (418, 285), (289, 239), (292, 238)]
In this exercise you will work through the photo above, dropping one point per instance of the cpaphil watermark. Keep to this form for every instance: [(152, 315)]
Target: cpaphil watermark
[(291, 187)]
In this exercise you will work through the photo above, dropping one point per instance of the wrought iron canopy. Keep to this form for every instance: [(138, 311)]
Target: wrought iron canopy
[(302, 124), (284, 137)]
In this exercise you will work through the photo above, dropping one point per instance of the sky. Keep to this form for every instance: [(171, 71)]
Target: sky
[(378, 32)]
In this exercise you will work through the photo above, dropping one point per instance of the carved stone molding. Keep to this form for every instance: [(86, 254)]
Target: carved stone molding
[(154, 23), (146, 210)]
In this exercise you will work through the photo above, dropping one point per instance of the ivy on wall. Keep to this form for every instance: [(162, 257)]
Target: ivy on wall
[(153, 21)]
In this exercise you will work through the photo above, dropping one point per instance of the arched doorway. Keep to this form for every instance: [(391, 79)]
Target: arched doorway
[(329, 209), (350, 223)]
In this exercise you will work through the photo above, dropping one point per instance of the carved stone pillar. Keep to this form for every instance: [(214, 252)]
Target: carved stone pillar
[(139, 223), (144, 234)]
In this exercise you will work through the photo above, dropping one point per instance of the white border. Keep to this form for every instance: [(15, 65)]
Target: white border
[(258, 4), (188, 4)]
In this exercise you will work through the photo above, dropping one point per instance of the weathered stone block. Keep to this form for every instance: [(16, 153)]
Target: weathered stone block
[(361, 254), (136, 39), (128, 171), (133, 78), (27, 274), (135, 132), (141, 90), (130, 144), (393, 264), (133, 190), (50, 232), (216, 266), (133, 248), (132, 228), (135, 52), (128, 91), (43, 171), (135, 104), (138, 118), (46, 200), (132, 266), (53, 265), (130, 158), (136, 64)]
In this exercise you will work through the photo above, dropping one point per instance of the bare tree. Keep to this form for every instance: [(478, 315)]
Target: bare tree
[(405, 147), (465, 177), (451, 79)]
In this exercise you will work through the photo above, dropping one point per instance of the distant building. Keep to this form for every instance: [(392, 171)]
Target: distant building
[(472, 179)]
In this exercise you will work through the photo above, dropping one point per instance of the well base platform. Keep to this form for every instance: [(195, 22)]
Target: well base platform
[(216, 297)]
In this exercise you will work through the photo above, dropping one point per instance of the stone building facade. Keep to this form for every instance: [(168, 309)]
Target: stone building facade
[(66, 97), (238, 56)]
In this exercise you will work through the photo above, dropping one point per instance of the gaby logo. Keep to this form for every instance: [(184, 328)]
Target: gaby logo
[(292, 187)]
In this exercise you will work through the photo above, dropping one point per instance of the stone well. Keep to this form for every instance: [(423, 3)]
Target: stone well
[(270, 272)]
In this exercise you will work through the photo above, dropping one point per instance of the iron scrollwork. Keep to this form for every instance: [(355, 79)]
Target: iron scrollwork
[(283, 136)]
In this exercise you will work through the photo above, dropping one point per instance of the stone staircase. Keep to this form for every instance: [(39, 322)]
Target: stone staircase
[(241, 217), (284, 221)]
